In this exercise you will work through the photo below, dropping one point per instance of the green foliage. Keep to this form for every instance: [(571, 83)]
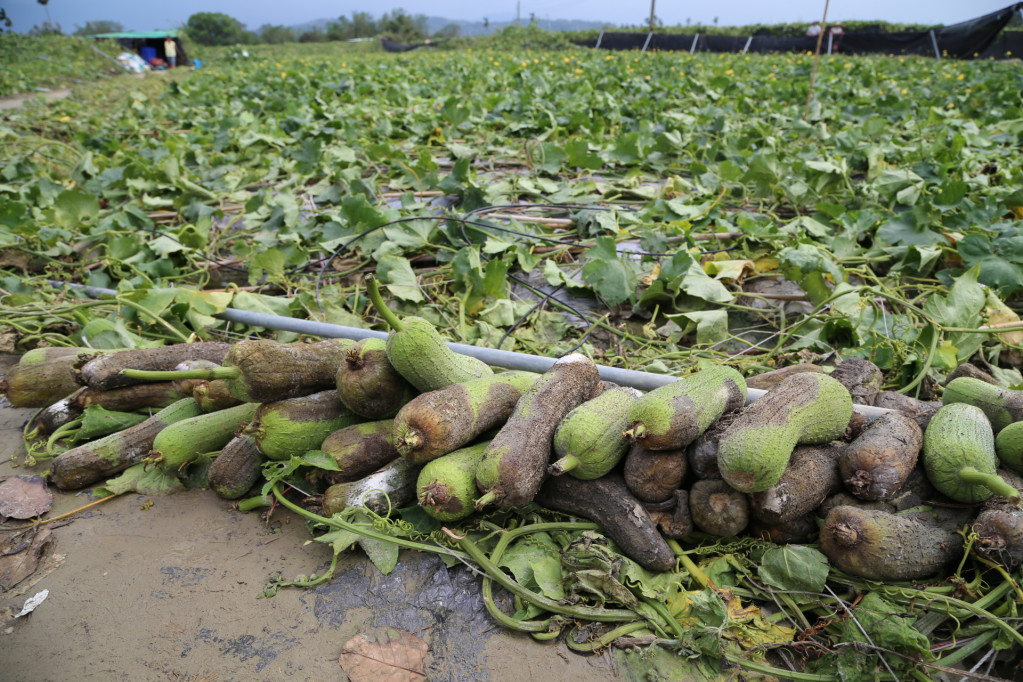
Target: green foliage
[(214, 28), (46, 61), (99, 26)]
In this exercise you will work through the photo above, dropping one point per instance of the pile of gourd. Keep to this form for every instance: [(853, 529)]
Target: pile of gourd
[(409, 419)]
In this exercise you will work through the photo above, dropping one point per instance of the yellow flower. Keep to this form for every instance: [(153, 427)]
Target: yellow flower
[(284, 74), (905, 91), (960, 76), (729, 72), (848, 65), (65, 119)]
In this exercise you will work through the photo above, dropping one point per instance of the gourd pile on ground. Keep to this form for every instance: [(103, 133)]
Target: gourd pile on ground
[(910, 509)]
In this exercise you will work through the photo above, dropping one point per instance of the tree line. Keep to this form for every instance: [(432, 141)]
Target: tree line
[(217, 28)]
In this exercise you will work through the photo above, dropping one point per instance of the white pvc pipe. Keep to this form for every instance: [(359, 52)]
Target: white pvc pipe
[(644, 381)]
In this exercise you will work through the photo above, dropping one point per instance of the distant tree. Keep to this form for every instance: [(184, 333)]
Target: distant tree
[(340, 29), (486, 22), (275, 35), (313, 35), (449, 31), (403, 28), (363, 25), (5, 21), (92, 28), (47, 28), (215, 28)]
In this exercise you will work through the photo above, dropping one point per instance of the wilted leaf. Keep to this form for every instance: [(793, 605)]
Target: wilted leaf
[(18, 562), (143, 479), (385, 655)]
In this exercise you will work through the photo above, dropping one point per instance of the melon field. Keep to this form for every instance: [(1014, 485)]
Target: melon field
[(670, 214)]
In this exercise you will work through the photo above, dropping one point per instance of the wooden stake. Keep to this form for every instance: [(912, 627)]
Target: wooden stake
[(817, 58)]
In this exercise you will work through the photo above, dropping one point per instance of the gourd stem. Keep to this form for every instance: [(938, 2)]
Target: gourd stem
[(566, 463), (373, 290), (173, 375), (257, 502), (992, 482), (637, 431), (484, 500)]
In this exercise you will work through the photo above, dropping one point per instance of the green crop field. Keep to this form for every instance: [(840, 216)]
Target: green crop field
[(654, 211)]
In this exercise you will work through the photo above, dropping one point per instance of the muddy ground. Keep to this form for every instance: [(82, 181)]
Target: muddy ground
[(168, 588)]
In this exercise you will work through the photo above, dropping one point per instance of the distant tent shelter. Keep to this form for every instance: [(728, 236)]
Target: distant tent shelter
[(148, 44)]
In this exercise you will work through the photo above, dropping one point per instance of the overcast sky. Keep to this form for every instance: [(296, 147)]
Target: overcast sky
[(142, 15)]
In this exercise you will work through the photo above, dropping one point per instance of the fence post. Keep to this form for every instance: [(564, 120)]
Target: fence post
[(599, 38), (695, 39), (831, 37), (746, 47), (648, 37), (934, 41)]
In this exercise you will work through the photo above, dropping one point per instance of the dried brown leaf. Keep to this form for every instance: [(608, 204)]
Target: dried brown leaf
[(20, 557), (384, 655), (24, 497)]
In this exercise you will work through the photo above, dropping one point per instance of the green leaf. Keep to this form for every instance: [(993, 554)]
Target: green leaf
[(382, 553), (270, 262), (74, 207), (1000, 260), (697, 283), (612, 279), (579, 156), (551, 158), (711, 326), (794, 567), (397, 274)]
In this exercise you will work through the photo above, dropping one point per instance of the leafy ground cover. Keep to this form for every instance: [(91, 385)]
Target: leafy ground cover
[(652, 210), (30, 62)]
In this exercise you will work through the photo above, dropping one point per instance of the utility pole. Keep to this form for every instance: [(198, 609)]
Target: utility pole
[(652, 3), (518, 13)]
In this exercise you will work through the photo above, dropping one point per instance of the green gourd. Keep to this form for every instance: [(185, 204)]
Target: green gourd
[(674, 415), (1001, 405), (959, 455), (446, 488), (804, 409), (588, 441), (183, 441), (418, 352)]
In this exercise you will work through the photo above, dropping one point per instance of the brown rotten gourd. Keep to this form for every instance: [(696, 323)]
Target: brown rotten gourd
[(108, 371), (515, 462), (368, 384), (442, 421), (40, 384), (262, 371), (812, 475), (359, 450), (654, 475), (111, 454), (804, 409), (608, 502), (878, 545), (876, 464)]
